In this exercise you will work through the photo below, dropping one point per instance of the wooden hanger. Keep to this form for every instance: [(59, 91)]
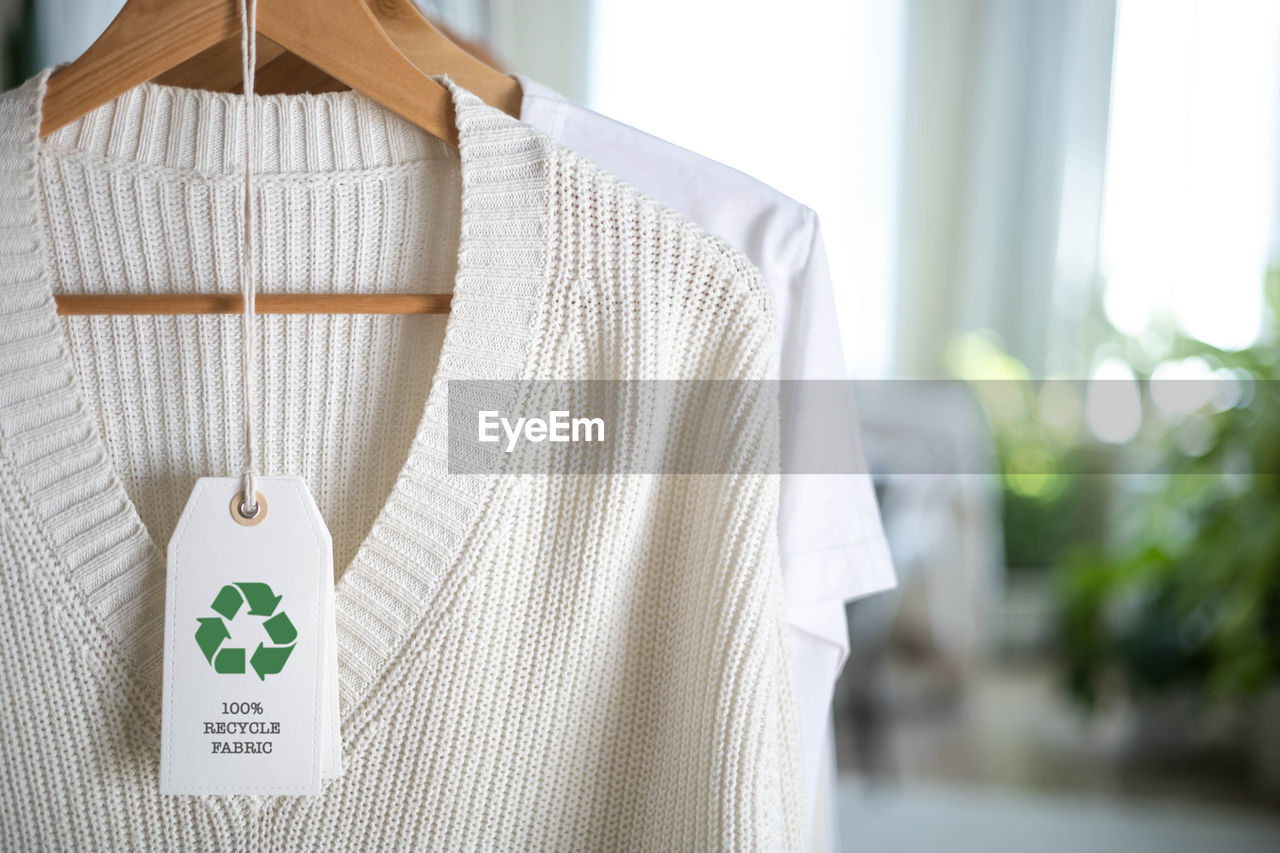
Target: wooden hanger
[(340, 37), (427, 45), (430, 47)]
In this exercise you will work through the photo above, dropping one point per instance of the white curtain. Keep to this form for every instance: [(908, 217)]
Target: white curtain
[(64, 28), (1005, 110)]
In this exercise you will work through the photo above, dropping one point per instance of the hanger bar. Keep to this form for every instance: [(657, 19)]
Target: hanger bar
[(117, 304)]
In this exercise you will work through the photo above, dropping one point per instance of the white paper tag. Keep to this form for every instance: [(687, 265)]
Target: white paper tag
[(250, 658)]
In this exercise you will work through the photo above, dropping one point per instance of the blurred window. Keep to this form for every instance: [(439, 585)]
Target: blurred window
[(1190, 192), (804, 97)]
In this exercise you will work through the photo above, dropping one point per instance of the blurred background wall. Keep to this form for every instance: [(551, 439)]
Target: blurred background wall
[(1078, 656)]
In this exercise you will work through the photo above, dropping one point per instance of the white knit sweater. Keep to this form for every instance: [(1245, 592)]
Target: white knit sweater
[(525, 661)]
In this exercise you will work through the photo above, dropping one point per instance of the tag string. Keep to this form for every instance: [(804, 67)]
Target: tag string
[(248, 255)]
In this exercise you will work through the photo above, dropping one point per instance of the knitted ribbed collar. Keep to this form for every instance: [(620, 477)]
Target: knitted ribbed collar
[(98, 550)]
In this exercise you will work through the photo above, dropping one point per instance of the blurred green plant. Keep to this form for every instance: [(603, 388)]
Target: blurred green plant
[(1037, 430), (1163, 580), (1185, 592)]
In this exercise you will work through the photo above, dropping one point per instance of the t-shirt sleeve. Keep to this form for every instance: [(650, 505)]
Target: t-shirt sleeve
[(831, 539)]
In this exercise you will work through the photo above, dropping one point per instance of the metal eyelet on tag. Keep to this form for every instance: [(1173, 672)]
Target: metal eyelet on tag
[(240, 512)]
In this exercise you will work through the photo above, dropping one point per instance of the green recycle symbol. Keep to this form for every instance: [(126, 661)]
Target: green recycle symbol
[(213, 632)]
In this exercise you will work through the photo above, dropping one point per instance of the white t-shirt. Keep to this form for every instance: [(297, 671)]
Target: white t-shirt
[(832, 543)]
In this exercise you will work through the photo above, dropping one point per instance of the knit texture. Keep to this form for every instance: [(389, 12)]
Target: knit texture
[(575, 662)]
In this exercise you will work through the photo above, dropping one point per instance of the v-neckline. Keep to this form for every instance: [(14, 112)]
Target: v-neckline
[(93, 528)]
